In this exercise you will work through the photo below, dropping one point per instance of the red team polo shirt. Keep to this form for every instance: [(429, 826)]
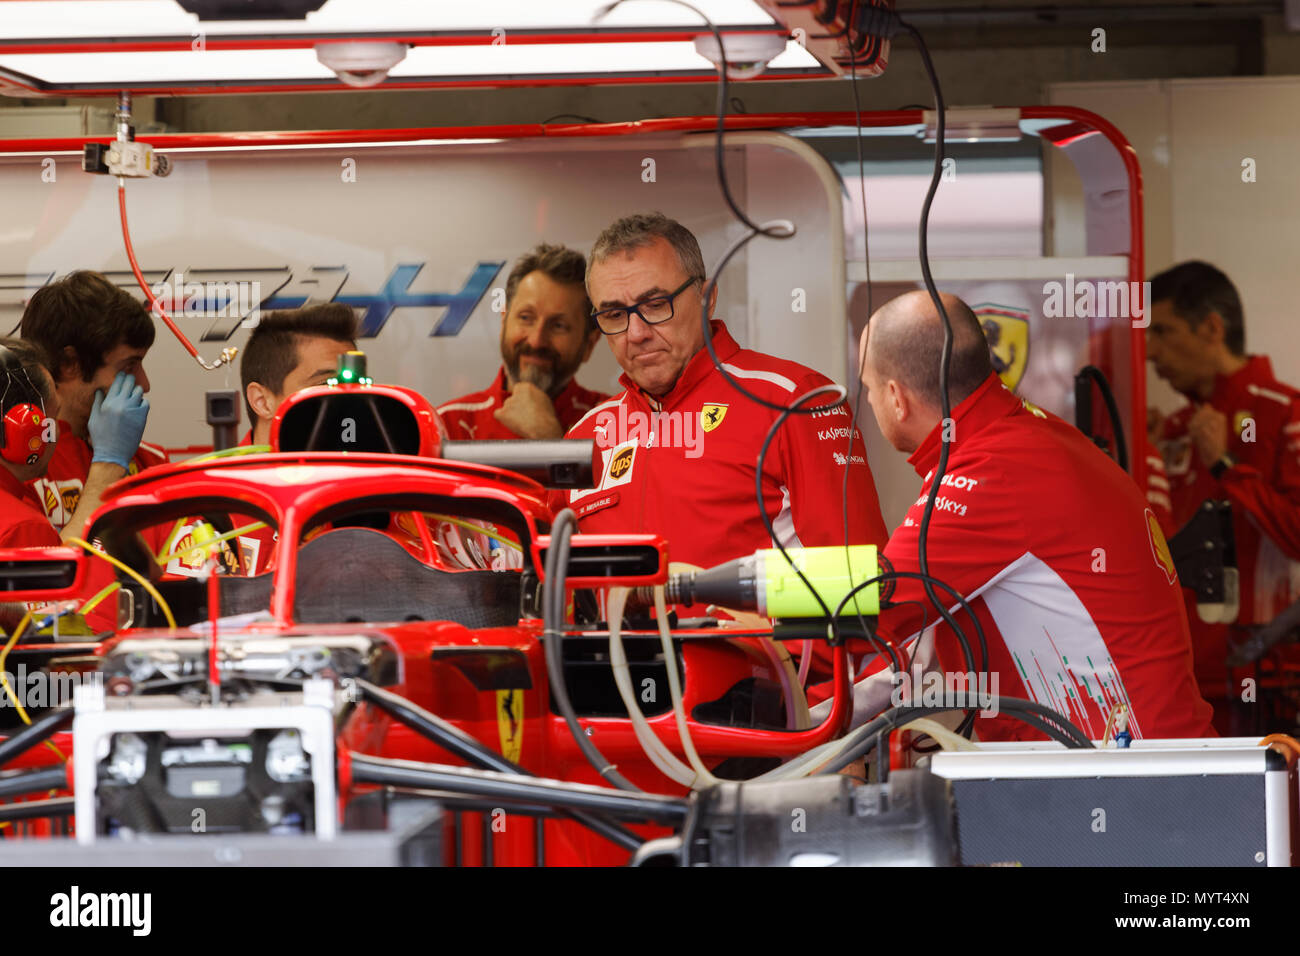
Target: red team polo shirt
[(22, 523), (1264, 491), (684, 466), (1060, 556), (470, 417)]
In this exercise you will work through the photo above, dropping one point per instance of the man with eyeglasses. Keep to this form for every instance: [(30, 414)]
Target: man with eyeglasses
[(546, 335), (679, 447)]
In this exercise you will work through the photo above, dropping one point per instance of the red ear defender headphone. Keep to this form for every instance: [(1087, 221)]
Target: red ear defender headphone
[(22, 439)]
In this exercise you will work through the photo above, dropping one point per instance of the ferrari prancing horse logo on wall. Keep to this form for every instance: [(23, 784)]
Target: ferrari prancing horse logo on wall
[(1007, 329)]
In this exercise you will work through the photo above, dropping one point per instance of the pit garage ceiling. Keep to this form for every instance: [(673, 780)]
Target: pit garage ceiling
[(71, 47)]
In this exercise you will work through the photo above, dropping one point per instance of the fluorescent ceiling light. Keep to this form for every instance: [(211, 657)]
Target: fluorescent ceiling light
[(125, 20), (179, 68)]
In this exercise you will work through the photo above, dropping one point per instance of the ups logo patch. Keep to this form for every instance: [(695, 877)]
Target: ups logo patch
[(621, 463)]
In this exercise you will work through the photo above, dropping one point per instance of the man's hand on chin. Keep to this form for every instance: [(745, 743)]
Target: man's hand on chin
[(529, 413), (1208, 428)]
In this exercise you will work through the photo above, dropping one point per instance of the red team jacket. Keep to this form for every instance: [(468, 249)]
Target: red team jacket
[(684, 467), (1064, 563), (470, 417), (22, 522), (1264, 490)]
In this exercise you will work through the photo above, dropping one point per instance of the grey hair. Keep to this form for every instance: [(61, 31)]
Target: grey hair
[(641, 229)]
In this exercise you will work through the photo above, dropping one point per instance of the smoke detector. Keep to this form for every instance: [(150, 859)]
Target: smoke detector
[(747, 53), (361, 64)]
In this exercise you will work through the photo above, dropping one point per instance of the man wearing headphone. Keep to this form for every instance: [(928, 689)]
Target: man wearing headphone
[(29, 411), (26, 404)]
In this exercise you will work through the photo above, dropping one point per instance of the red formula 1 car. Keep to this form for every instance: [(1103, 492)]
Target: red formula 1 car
[(385, 651)]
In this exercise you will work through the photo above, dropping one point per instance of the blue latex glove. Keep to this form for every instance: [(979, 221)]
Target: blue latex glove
[(117, 421)]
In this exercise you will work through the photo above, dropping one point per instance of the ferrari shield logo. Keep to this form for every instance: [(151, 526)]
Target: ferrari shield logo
[(1007, 330), (711, 416), (510, 722)]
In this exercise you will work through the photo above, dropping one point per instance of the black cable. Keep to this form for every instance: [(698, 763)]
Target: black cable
[(37, 809), (864, 739), (968, 722), (895, 664), (557, 559), (584, 119), (445, 734), (472, 750), (14, 783), (762, 505), (771, 531), (37, 732), (857, 401), (967, 656), (945, 361), (535, 790), (884, 23), (1098, 378)]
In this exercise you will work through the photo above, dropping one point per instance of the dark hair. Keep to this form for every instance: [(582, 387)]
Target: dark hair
[(1195, 289), (912, 353), (89, 314), (642, 228), (271, 352), (558, 263), (16, 368)]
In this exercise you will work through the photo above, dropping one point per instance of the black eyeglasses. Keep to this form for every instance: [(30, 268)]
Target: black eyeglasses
[(652, 311)]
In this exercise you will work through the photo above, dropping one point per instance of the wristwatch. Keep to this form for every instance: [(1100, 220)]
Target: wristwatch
[(1225, 462)]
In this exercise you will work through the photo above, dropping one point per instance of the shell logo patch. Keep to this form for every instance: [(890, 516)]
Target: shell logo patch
[(1160, 547), (1239, 422), (1007, 330), (711, 416)]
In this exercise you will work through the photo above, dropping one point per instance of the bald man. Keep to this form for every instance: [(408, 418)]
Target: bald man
[(1047, 538)]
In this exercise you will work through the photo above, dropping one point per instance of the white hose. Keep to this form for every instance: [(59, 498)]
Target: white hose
[(798, 716), (655, 749), (945, 738), (703, 776), (806, 763), (805, 661)]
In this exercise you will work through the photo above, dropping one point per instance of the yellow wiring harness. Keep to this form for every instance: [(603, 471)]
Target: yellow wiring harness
[(140, 579)]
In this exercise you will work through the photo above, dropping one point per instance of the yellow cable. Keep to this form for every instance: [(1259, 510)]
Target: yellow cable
[(4, 679), (153, 591), (170, 540), (4, 656), (95, 601)]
